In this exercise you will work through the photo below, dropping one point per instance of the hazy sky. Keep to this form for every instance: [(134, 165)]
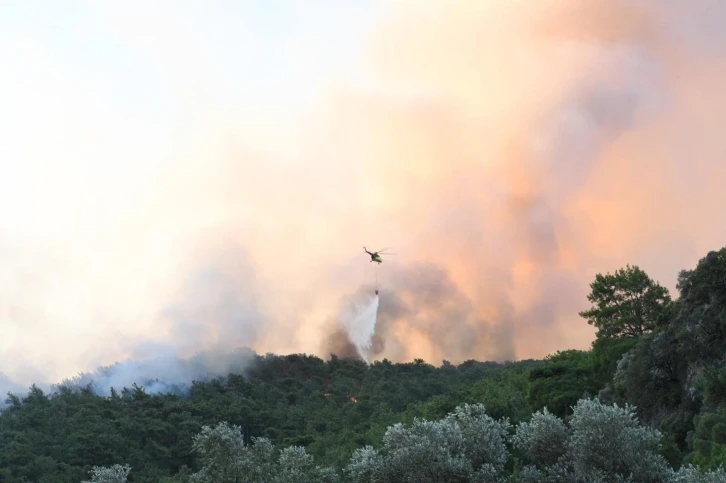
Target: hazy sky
[(202, 175)]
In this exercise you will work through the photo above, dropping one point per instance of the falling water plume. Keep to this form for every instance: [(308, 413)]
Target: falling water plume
[(358, 319)]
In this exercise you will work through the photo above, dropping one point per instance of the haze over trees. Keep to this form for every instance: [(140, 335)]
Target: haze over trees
[(647, 403)]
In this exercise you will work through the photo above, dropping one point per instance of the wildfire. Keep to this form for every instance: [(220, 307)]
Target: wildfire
[(353, 399)]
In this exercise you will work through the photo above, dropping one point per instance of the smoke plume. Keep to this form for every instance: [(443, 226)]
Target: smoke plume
[(163, 372), (210, 187)]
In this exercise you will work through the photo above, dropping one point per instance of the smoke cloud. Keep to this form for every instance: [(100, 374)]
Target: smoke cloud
[(212, 188), (162, 371)]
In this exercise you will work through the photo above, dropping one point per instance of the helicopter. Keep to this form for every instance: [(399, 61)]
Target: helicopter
[(376, 256)]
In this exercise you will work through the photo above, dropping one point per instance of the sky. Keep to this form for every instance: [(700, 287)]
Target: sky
[(189, 176)]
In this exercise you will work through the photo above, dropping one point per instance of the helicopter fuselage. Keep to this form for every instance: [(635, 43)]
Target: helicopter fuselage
[(375, 257)]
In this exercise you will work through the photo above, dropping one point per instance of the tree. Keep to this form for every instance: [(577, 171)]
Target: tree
[(609, 440), (691, 474), (701, 315), (628, 303), (543, 439), (226, 458), (601, 443), (113, 474), (561, 381), (709, 440), (466, 445)]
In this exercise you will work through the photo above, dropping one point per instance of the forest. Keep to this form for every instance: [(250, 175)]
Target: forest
[(646, 403)]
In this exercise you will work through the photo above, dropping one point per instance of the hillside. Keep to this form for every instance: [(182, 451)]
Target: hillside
[(665, 356)]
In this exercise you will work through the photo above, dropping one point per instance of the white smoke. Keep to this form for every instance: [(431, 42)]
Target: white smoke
[(7, 387), (358, 319), (165, 373)]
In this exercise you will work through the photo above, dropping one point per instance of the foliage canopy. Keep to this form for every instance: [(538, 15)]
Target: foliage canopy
[(628, 303), (643, 404)]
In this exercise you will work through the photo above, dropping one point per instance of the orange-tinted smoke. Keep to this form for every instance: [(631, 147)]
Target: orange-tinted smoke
[(507, 150), (519, 149)]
